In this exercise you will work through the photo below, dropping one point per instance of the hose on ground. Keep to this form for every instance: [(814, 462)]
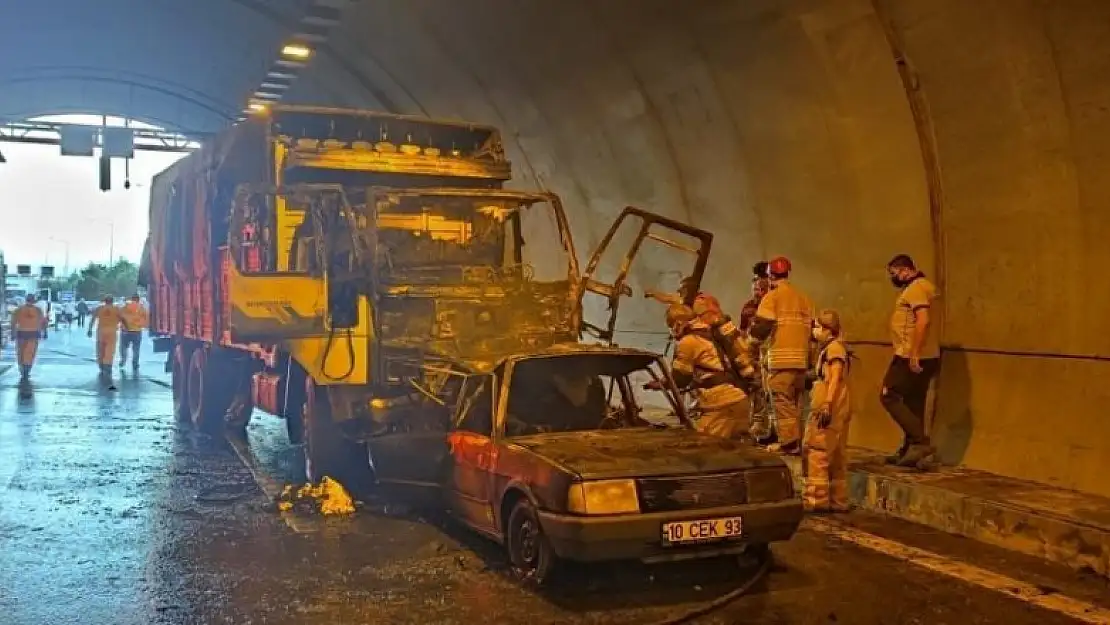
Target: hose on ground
[(766, 558)]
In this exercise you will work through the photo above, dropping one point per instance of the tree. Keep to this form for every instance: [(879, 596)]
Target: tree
[(96, 281)]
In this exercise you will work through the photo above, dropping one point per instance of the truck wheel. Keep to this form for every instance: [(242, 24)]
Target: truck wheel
[(326, 452), (180, 369), (530, 554), (239, 413), (210, 392)]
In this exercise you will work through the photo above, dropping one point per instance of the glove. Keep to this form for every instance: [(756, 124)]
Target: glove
[(823, 414)]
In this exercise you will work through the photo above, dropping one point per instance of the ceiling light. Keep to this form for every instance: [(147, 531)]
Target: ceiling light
[(257, 107), (296, 51)]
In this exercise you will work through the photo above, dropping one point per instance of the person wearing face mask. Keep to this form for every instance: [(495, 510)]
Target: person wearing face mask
[(916, 361), (783, 324), (824, 448), (701, 364)]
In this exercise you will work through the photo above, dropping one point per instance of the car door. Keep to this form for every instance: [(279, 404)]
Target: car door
[(674, 249), (473, 453), (413, 462)]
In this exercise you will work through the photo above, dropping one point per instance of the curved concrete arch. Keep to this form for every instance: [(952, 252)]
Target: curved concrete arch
[(227, 113), (67, 72)]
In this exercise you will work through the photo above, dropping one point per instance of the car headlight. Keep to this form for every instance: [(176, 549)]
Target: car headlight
[(603, 497)]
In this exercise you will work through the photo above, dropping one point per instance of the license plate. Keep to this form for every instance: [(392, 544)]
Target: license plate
[(706, 530)]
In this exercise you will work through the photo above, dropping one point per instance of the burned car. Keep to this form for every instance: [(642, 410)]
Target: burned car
[(564, 453)]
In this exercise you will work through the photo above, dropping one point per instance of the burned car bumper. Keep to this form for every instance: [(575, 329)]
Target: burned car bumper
[(640, 536)]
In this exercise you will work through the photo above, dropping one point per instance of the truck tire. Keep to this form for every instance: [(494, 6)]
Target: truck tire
[(327, 453), (180, 377), (210, 391), (239, 413)]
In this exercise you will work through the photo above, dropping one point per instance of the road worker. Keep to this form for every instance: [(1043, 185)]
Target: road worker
[(701, 363), (783, 324), (27, 326), (106, 320), (706, 306), (915, 363), (133, 318), (825, 444)]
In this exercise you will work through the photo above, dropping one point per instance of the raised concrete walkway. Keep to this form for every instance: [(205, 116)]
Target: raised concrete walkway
[(1062, 526)]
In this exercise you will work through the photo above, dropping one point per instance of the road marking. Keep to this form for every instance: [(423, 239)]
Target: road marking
[(1016, 589), (269, 486)]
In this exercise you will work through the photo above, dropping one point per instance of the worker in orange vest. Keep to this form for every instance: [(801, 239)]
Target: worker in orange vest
[(27, 327), (106, 320)]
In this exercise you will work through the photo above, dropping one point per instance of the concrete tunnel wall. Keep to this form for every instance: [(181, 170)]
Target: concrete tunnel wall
[(784, 126)]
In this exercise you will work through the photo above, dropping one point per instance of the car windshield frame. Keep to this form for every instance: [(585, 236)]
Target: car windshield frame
[(638, 362)]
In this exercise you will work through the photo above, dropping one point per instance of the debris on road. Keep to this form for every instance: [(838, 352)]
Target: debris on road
[(328, 498)]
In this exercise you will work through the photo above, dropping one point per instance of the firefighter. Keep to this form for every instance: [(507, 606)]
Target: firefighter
[(761, 401), (133, 318), (783, 324), (701, 363), (27, 326), (825, 445), (106, 320)]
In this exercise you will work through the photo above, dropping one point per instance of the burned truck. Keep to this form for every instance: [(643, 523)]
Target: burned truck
[(366, 278), (315, 260)]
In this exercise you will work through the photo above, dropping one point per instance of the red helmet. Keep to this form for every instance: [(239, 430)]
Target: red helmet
[(779, 266)]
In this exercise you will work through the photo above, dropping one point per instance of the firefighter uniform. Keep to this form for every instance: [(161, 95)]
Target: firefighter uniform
[(27, 323), (786, 355), (107, 319), (825, 445), (724, 406), (133, 318)]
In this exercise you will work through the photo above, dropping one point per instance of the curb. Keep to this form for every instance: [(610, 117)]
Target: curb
[(1068, 541)]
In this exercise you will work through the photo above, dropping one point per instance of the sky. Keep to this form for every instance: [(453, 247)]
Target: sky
[(50, 202)]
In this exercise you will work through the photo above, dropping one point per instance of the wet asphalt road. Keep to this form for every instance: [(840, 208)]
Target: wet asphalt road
[(109, 514)]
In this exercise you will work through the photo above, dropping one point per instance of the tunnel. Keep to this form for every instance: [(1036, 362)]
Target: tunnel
[(971, 135)]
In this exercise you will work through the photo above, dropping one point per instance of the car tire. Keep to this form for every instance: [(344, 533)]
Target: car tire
[(531, 557)]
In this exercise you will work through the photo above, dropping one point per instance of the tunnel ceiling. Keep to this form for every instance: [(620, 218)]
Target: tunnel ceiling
[(184, 65)]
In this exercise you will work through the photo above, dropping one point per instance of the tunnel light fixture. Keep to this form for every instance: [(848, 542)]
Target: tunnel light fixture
[(296, 51), (257, 106)]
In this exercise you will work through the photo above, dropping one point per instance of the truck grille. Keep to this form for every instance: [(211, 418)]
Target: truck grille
[(691, 492)]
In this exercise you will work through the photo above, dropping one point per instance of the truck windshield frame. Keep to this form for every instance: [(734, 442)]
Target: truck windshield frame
[(444, 236)]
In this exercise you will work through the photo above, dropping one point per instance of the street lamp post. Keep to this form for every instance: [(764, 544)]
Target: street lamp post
[(65, 268)]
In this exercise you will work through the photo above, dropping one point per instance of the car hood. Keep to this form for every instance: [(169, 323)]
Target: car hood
[(644, 453)]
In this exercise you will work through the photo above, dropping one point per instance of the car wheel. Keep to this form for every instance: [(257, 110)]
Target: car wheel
[(530, 554)]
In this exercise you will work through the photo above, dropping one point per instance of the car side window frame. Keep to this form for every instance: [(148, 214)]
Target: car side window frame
[(485, 383), (504, 375)]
